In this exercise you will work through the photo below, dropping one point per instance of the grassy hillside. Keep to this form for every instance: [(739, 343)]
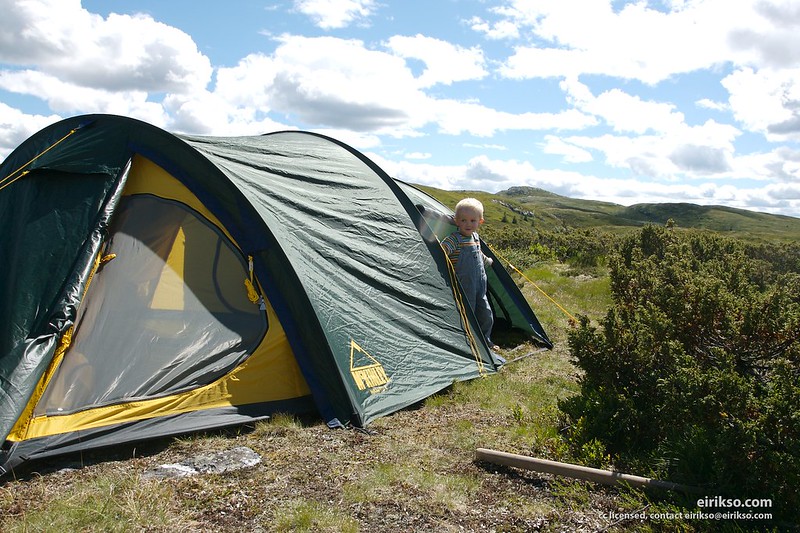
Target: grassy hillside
[(551, 212)]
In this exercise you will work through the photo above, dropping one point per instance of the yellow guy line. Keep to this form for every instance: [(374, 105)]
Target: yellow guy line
[(8, 180), (473, 345), (532, 283)]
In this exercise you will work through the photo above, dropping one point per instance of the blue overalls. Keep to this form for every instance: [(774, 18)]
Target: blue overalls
[(472, 276)]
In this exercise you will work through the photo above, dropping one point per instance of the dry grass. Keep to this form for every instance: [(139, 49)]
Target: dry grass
[(414, 472)]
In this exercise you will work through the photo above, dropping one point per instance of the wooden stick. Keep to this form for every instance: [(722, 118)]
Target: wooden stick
[(597, 475)]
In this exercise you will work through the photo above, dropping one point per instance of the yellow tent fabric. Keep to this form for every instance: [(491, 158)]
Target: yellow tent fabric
[(269, 373)]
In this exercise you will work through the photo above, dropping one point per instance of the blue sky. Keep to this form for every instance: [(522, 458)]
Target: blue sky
[(627, 102)]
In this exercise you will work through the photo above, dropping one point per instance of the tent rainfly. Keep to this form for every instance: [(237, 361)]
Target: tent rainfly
[(155, 284)]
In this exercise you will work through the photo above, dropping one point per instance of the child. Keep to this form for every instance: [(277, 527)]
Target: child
[(463, 247)]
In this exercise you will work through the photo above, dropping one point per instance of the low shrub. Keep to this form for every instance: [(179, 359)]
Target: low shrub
[(693, 374), (580, 248)]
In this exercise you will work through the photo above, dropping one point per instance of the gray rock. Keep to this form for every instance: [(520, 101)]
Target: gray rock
[(216, 463)]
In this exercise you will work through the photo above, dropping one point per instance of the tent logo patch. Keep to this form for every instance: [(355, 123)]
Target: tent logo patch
[(369, 374)]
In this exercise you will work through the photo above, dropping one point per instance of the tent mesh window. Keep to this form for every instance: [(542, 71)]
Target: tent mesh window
[(172, 307)]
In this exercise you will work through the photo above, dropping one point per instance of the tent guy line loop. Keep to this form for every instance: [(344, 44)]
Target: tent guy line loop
[(12, 177), (526, 278), (463, 313)]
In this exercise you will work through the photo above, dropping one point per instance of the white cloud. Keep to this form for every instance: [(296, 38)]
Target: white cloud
[(341, 83), (247, 83), (332, 14), (68, 98), (207, 114), (486, 146), (445, 62), (571, 153), (619, 65), (657, 143), (16, 126), (762, 100), (707, 103), (454, 118), (624, 112), (659, 157), (701, 160), (503, 29), (639, 42), (327, 81), (120, 53), (781, 165), (770, 38), (439, 176)]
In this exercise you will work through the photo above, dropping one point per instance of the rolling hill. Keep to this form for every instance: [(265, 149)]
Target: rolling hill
[(548, 211)]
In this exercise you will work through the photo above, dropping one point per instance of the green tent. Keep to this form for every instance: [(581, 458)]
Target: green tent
[(156, 284)]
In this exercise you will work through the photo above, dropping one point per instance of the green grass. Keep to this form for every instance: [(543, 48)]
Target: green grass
[(109, 501), (557, 294), (311, 516), (441, 490)]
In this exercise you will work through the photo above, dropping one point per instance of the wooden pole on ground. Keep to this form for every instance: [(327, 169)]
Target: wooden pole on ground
[(597, 475)]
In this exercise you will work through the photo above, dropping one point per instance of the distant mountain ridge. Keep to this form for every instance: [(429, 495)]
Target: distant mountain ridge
[(551, 211)]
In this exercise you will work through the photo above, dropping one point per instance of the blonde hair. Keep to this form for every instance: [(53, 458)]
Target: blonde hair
[(470, 203)]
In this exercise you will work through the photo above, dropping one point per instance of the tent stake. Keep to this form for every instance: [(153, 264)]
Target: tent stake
[(576, 471), (515, 359)]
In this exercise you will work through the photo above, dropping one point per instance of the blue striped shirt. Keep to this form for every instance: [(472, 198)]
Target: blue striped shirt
[(453, 243)]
